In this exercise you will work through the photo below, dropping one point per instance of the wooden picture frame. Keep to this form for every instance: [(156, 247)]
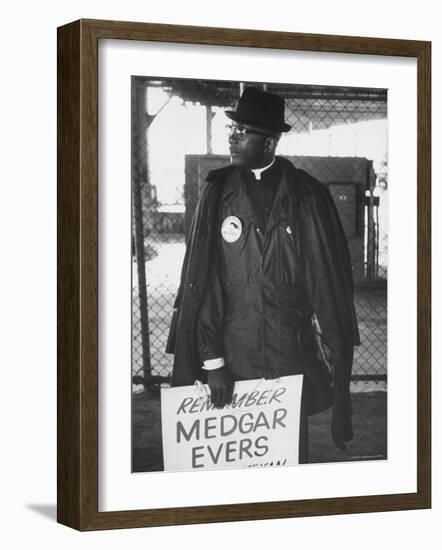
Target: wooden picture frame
[(78, 274)]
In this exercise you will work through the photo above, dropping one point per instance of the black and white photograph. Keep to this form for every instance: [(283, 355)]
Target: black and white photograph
[(218, 285), (259, 243)]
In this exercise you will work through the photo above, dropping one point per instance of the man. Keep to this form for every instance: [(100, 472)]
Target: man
[(266, 277)]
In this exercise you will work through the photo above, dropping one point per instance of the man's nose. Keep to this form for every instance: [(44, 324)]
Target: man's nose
[(233, 138)]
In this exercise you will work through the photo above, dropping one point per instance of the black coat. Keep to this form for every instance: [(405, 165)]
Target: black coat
[(328, 277)]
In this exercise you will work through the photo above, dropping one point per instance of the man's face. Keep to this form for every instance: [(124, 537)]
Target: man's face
[(250, 146)]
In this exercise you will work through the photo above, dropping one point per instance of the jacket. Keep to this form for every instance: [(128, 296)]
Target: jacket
[(255, 312), (326, 267)]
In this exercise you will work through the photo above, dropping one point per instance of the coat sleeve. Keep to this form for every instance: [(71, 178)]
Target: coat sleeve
[(209, 321), (330, 285), (200, 230), (194, 274), (328, 268), (171, 339)]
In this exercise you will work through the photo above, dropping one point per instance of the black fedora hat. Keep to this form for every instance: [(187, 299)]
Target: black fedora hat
[(262, 109)]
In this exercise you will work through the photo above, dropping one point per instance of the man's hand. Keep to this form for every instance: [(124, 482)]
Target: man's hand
[(221, 385)]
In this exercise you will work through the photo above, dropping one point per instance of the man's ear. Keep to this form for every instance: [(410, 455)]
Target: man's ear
[(270, 144)]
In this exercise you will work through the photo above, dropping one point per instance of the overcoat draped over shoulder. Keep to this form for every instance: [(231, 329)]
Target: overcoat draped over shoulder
[(328, 279)]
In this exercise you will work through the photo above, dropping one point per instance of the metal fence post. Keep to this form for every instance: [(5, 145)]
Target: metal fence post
[(140, 174)]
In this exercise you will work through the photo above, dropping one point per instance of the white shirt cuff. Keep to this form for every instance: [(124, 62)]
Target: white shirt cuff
[(212, 364)]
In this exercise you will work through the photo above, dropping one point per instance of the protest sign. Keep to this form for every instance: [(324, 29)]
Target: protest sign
[(259, 428)]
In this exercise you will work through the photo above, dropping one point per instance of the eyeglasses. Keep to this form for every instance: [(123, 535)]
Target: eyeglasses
[(241, 133)]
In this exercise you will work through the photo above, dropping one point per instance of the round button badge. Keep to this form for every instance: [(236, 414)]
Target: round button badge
[(231, 229)]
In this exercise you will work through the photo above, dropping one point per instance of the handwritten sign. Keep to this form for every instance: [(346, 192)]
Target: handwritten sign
[(259, 428)]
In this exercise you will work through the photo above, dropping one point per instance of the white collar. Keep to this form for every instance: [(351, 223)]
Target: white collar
[(259, 171)]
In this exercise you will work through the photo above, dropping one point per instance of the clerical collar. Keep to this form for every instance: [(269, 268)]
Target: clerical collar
[(259, 171)]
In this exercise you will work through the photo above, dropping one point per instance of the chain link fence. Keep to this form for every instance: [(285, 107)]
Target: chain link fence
[(338, 135)]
